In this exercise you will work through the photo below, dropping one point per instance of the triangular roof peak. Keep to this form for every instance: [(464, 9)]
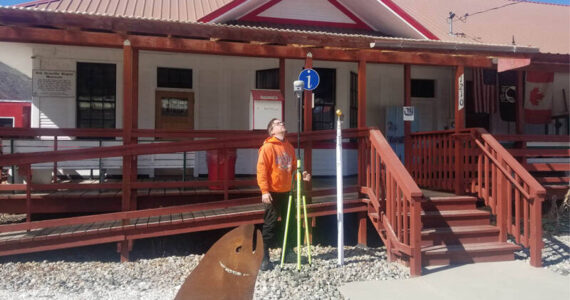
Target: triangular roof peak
[(375, 15)]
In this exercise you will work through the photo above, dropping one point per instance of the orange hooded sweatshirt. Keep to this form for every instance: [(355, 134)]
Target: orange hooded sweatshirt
[(275, 165)]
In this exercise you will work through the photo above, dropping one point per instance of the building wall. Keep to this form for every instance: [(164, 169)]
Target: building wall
[(60, 112)]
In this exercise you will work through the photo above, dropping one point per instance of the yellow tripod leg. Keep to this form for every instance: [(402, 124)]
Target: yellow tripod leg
[(306, 229), (299, 214), (286, 230)]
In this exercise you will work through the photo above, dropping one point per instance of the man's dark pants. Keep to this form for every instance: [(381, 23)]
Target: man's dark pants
[(270, 229)]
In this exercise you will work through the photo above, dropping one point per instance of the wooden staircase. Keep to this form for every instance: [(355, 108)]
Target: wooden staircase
[(455, 231)]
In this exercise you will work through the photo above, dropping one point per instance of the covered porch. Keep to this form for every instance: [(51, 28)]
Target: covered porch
[(385, 192)]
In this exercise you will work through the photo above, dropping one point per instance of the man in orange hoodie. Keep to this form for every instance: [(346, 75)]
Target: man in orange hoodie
[(276, 165)]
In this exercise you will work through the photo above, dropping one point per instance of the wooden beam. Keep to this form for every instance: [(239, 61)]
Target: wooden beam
[(407, 124), (158, 43), (308, 127), (459, 97), (361, 93), (520, 104)]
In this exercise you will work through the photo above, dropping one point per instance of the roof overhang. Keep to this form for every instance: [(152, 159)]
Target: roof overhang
[(30, 25)]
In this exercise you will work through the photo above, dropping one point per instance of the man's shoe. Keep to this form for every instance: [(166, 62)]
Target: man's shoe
[(266, 264), (290, 257)]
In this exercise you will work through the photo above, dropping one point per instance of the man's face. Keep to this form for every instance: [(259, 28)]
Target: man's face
[(278, 127)]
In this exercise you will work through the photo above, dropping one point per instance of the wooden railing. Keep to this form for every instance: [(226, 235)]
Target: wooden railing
[(210, 140), (395, 200), (488, 170)]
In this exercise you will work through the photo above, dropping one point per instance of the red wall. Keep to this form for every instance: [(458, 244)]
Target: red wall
[(19, 110)]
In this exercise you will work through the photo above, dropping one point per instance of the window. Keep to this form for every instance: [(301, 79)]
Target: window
[(353, 100), (423, 88), (267, 79), (174, 78), (325, 99), (96, 95), (7, 122)]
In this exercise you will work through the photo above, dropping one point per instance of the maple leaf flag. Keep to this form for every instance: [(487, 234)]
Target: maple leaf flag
[(538, 97)]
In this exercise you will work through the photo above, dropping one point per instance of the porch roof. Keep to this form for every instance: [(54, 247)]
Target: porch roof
[(127, 25)]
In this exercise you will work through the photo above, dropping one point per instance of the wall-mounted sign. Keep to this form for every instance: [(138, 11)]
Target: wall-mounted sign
[(408, 112), (53, 83), (265, 105), (461, 92)]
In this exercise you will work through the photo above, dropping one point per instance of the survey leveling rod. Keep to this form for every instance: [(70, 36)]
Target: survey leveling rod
[(339, 199), (300, 198)]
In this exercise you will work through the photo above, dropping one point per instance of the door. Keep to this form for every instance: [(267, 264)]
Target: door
[(174, 110)]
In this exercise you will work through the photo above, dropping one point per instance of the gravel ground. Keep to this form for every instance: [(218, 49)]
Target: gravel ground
[(94, 273)]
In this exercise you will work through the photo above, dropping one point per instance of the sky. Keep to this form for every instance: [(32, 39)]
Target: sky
[(11, 2)]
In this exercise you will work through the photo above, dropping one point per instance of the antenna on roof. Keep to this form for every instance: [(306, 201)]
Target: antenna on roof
[(450, 21)]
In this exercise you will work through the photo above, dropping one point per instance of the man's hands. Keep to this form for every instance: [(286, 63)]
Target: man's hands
[(266, 198), (306, 176)]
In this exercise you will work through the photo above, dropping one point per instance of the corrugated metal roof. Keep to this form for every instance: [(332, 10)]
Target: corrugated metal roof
[(172, 10), (546, 26)]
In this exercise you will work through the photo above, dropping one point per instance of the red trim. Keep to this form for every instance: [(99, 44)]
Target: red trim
[(413, 22), (348, 13), (254, 17), (35, 3), (220, 11)]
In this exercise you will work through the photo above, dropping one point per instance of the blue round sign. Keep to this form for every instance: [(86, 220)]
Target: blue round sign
[(311, 79)]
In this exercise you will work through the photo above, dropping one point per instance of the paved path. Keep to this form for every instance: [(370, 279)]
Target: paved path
[(500, 280)]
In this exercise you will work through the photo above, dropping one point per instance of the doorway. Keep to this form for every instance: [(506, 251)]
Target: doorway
[(174, 110)]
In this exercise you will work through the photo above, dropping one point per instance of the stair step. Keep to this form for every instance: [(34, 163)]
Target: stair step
[(459, 235), (468, 253), (449, 203), (449, 218)]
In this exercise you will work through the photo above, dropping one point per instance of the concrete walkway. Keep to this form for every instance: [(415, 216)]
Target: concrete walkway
[(500, 280)]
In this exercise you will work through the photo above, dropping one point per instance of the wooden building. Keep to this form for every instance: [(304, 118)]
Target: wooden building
[(146, 88)]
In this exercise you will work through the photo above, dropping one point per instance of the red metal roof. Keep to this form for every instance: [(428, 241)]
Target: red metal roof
[(505, 22), (173, 10), (546, 26)]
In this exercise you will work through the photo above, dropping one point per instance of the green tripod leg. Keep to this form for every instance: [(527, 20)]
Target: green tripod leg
[(286, 230), (299, 214), (306, 229)]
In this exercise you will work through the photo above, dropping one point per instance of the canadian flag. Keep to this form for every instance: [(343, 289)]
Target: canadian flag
[(538, 97)]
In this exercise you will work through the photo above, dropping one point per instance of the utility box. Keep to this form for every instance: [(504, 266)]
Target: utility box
[(265, 105)]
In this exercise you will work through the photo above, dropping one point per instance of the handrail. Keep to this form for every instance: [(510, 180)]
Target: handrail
[(395, 200), (242, 141), (488, 170), (534, 186), (409, 186)]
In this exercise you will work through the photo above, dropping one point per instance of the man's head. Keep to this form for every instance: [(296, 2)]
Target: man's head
[(276, 127)]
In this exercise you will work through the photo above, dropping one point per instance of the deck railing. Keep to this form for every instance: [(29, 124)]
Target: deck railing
[(395, 201), (488, 170), (209, 140)]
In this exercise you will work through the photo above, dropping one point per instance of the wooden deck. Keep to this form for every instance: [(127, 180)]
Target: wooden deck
[(228, 214)]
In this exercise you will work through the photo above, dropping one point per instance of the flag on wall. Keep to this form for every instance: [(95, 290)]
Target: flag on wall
[(538, 97), (484, 90)]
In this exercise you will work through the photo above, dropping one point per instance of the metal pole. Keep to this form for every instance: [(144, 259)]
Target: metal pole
[(339, 200)]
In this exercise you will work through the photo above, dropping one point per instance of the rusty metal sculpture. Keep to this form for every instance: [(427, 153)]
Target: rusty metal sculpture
[(229, 269)]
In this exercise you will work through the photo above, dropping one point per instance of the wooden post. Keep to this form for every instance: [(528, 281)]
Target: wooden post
[(520, 113), (536, 231), (308, 127), (130, 122), (407, 124), (415, 237), (361, 113), (459, 96), (362, 238), (282, 76)]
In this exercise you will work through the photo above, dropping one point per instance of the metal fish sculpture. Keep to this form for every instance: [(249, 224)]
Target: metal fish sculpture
[(229, 269)]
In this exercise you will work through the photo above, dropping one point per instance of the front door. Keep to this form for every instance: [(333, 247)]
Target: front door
[(174, 110)]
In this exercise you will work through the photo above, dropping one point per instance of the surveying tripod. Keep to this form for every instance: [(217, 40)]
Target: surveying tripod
[(300, 199)]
